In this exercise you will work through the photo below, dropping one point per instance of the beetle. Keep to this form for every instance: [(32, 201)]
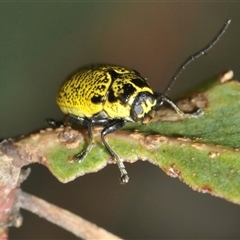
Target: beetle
[(112, 95)]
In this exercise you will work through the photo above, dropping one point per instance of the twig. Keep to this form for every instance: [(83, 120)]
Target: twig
[(63, 218)]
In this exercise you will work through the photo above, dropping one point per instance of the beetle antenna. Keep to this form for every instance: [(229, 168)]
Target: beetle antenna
[(197, 55)]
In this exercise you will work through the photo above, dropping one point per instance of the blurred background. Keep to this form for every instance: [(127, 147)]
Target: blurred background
[(41, 43)]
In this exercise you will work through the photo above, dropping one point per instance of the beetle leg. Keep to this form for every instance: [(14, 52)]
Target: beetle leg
[(53, 123), (161, 98), (80, 156), (196, 114), (113, 126)]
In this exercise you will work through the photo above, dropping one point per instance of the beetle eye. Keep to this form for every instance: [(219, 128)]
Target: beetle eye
[(138, 109)]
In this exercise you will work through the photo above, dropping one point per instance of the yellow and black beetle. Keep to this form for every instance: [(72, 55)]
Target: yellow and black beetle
[(111, 96)]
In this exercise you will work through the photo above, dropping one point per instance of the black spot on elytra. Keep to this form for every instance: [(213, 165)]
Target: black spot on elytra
[(96, 99), (111, 97), (128, 91), (140, 82), (114, 75)]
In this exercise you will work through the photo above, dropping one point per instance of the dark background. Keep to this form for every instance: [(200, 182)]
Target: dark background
[(41, 43)]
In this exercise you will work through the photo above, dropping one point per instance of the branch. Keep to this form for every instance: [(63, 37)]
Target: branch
[(63, 218)]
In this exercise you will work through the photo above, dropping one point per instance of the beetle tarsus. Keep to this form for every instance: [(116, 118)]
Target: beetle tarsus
[(80, 156), (124, 175), (124, 179), (53, 123), (196, 114)]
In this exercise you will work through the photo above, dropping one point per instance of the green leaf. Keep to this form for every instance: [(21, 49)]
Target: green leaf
[(202, 152)]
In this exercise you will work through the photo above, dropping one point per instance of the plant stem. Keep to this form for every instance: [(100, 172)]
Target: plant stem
[(63, 218)]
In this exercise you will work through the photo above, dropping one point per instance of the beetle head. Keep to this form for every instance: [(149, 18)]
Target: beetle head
[(144, 106)]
